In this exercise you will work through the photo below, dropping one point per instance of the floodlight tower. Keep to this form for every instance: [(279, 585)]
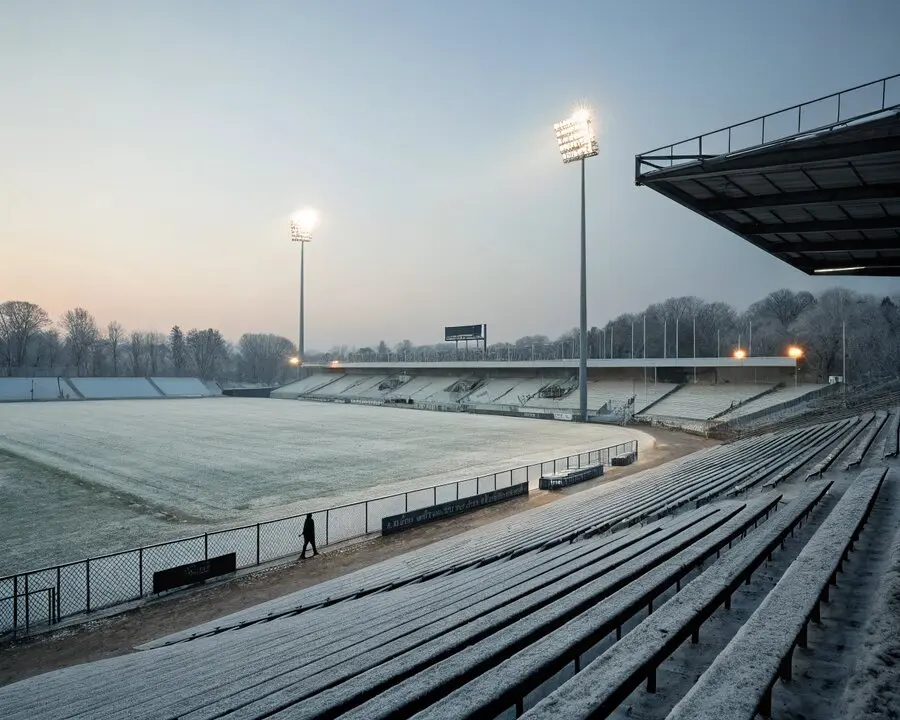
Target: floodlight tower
[(576, 140), (302, 224)]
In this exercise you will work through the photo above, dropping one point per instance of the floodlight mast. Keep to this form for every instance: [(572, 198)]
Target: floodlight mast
[(575, 137), (302, 224)]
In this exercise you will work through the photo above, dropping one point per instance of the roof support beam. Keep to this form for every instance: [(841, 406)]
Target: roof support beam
[(817, 226), (834, 246), (869, 193)]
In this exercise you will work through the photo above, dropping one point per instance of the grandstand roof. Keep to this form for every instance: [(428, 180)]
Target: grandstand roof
[(816, 185), (717, 362)]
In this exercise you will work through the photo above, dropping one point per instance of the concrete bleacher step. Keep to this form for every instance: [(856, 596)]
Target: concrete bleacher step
[(740, 680), (865, 442), (573, 595), (860, 423), (892, 441), (484, 679), (606, 682), (746, 401)]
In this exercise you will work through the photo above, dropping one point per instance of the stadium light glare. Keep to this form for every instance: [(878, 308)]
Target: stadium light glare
[(740, 354), (576, 140), (852, 268), (302, 224), (575, 136), (796, 353), (294, 360)]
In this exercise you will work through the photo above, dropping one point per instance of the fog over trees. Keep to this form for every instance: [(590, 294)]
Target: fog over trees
[(32, 344)]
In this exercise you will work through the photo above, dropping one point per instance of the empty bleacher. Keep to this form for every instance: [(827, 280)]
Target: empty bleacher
[(182, 387), (27, 389), (538, 615), (702, 401)]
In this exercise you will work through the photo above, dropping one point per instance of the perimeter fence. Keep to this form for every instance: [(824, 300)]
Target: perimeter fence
[(105, 581)]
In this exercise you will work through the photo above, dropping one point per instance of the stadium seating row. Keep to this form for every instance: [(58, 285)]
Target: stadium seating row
[(605, 397), (109, 388)]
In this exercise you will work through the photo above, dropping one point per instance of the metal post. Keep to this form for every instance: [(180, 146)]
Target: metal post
[(300, 345), (844, 359), (582, 361), (87, 585), (205, 546), (677, 323), (632, 339), (140, 573), (644, 343), (695, 350), (665, 338), (257, 543)]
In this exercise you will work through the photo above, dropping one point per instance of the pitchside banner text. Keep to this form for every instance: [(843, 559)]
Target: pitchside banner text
[(407, 520)]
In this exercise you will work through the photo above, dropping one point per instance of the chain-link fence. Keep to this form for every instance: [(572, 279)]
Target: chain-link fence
[(43, 597)]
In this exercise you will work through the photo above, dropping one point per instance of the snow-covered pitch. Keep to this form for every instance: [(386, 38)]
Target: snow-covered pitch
[(84, 479)]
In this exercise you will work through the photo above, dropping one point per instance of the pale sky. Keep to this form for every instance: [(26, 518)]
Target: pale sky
[(151, 154)]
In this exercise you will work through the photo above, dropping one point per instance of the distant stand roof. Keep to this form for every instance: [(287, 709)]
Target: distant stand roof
[(817, 185)]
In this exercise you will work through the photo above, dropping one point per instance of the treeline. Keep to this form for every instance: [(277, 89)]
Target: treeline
[(32, 344), (683, 326)]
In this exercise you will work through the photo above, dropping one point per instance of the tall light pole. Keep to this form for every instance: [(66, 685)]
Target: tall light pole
[(796, 353), (302, 224), (575, 137)]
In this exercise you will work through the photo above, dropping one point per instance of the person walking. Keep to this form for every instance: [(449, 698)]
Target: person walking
[(309, 536)]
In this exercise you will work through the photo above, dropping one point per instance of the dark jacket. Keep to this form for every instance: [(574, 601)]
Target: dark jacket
[(309, 528)]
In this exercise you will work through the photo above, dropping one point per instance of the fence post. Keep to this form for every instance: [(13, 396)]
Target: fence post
[(141, 572), (457, 489), (406, 502), (205, 546), (87, 582), (15, 603), (367, 518), (27, 607), (327, 518), (257, 543), (434, 502), (58, 608)]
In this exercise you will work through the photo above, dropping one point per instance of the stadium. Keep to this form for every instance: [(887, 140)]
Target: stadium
[(655, 537)]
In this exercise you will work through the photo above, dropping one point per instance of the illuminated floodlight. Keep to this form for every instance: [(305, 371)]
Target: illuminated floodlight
[(302, 224), (853, 268), (795, 352), (575, 136), (294, 360), (740, 354)]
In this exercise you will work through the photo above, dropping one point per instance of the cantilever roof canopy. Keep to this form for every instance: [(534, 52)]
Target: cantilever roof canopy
[(825, 199)]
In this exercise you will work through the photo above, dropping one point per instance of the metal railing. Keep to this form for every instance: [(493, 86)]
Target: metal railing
[(822, 114), (85, 586)]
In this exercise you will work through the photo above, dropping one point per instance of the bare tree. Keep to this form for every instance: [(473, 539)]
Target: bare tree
[(177, 350), (156, 351), (114, 333), (137, 348), (264, 357), (81, 335), (208, 349), (20, 321)]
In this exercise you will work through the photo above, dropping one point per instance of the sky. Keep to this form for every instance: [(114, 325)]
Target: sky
[(152, 153)]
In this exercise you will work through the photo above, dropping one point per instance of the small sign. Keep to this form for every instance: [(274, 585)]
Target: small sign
[(193, 573)]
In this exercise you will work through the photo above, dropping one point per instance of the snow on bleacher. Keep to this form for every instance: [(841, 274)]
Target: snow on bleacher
[(115, 388), (701, 401), (781, 395), (20, 389)]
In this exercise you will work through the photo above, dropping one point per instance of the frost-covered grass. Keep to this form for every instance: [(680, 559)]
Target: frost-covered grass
[(109, 475)]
